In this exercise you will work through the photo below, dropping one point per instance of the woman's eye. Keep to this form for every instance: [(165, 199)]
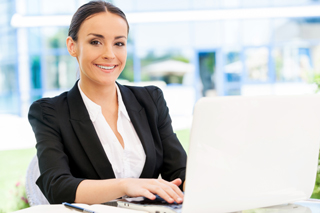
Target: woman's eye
[(95, 42), (120, 44)]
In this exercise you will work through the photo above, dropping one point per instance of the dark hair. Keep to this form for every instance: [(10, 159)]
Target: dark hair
[(89, 9)]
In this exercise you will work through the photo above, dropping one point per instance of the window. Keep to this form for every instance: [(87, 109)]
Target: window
[(256, 64)]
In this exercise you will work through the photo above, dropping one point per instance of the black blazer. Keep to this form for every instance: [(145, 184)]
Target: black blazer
[(70, 151)]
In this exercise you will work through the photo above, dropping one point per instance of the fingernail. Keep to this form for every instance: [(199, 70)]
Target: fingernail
[(171, 200), (179, 200)]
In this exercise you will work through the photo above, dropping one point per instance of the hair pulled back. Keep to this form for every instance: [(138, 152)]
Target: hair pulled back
[(89, 9)]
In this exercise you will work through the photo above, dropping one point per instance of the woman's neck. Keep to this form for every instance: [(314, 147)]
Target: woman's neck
[(103, 95)]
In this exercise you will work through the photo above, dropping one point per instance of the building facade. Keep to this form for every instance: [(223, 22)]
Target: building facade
[(237, 47)]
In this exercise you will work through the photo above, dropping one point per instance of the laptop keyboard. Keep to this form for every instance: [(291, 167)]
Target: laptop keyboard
[(161, 202)]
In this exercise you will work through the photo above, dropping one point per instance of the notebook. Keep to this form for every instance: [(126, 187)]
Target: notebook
[(249, 152)]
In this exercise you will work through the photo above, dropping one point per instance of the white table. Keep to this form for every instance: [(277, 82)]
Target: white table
[(310, 206)]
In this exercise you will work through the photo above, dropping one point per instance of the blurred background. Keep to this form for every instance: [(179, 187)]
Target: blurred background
[(189, 48)]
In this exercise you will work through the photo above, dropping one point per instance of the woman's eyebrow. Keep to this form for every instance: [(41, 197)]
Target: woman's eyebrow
[(101, 36), (117, 37), (97, 35)]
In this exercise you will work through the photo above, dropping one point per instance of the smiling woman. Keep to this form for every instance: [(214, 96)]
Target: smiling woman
[(101, 52), (102, 140)]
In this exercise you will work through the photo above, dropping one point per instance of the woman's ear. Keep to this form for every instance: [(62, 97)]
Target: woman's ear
[(71, 45)]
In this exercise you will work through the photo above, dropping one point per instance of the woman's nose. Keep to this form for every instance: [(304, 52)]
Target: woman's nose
[(108, 53)]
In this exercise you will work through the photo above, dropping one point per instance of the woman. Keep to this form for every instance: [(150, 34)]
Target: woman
[(101, 140)]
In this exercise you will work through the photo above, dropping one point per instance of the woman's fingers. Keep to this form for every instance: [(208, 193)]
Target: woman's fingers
[(156, 189), (169, 191), (174, 185), (148, 194), (177, 181), (172, 190)]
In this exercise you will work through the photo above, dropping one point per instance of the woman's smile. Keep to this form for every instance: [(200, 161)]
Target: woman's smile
[(106, 68)]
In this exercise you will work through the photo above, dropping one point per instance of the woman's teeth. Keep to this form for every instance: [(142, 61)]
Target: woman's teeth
[(105, 67)]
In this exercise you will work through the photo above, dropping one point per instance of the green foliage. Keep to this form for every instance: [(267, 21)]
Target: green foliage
[(128, 72), (58, 40), (13, 167), (316, 190), (316, 80), (184, 136), (20, 200)]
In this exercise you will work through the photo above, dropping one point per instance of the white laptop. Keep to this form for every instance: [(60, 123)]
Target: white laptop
[(249, 152)]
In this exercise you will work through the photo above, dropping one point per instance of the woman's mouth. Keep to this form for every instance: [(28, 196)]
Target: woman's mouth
[(106, 67)]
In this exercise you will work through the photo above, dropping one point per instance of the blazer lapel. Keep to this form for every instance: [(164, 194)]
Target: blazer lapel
[(139, 120), (85, 131)]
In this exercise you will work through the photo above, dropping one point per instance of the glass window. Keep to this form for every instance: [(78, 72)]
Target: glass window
[(296, 63), (231, 32), (233, 69), (206, 4), (35, 40), (285, 30), (291, 2), (125, 5), (163, 35), (3, 7), (36, 78), (4, 16), (309, 28), (9, 96), (55, 37), (296, 29), (8, 45), (231, 3), (35, 66), (207, 68), (256, 64), (170, 66), (147, 5), (233, 66), (256, 32), (8, 78), (60, 71), (33, 7), (254, 3), (207, 34), (49, 7)]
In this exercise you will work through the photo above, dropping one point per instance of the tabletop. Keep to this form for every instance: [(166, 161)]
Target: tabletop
[(308, 206)]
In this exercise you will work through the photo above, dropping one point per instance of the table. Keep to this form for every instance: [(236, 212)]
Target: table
[(309, 206)]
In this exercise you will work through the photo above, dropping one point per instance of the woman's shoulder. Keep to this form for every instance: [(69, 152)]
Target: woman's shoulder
[(143, 91), (50, 104)]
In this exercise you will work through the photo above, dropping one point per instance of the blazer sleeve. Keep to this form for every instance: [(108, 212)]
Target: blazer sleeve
[(56, 181), (174, 156)]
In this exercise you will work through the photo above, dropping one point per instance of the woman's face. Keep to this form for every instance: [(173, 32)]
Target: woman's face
[(101, 48)]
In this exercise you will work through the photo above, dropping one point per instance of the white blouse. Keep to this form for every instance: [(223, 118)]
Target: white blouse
[(126, 162)]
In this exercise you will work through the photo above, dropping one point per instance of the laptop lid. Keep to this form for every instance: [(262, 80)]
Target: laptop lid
[(251, 152)]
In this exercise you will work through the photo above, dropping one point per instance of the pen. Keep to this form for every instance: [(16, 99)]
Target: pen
[(77, 207)]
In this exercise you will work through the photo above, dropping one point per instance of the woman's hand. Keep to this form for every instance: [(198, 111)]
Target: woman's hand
[(169, 191)]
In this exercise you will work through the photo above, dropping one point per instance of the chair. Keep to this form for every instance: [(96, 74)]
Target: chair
[(34, 194)]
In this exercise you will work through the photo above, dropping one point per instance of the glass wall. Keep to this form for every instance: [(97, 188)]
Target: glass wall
[(242, 52), (9, 82), (297, 49)]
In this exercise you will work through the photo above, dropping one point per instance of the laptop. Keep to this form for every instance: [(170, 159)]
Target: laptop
[(247, 153)]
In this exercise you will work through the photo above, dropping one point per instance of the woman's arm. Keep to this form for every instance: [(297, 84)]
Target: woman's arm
[(174, 156), (55, 181), (100, 191)]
